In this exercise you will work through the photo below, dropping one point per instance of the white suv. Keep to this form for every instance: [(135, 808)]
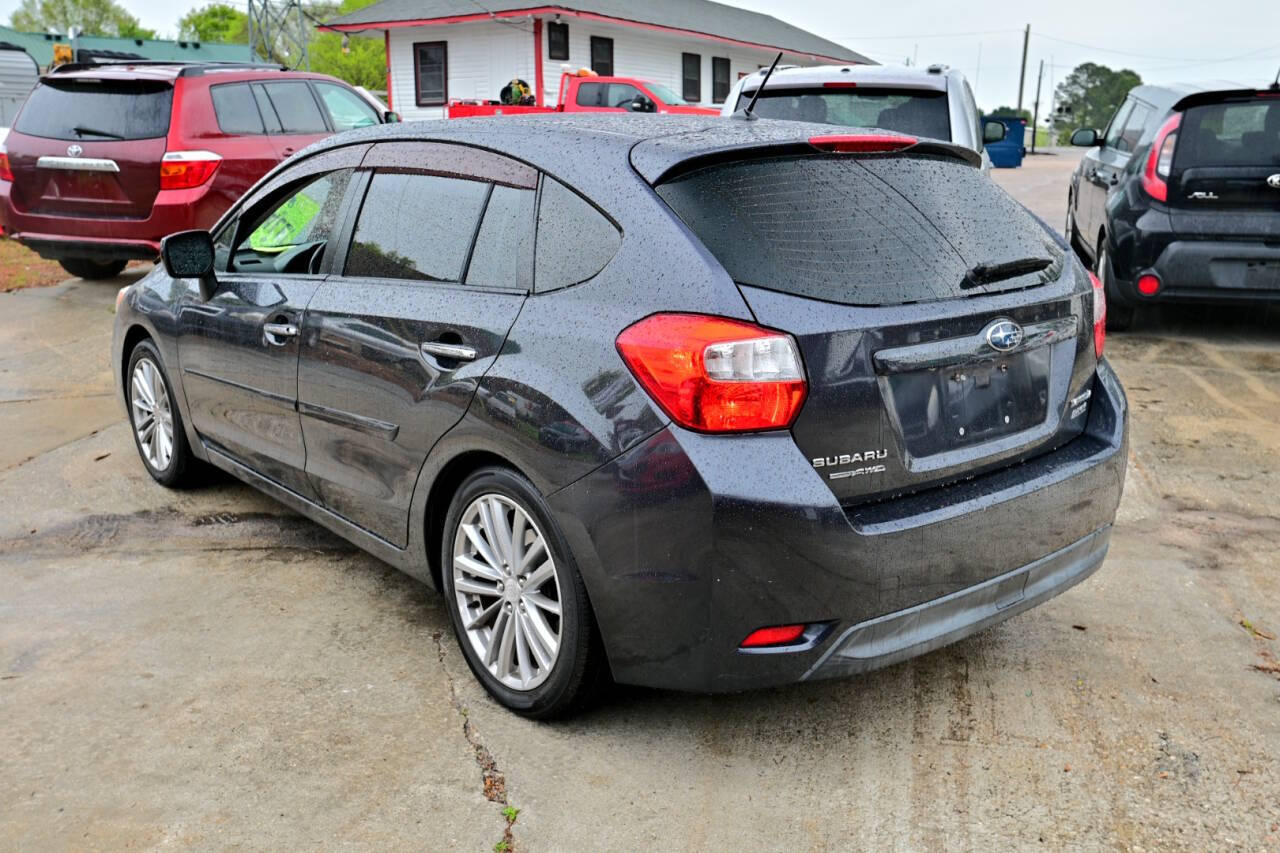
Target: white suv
[(936, 103)]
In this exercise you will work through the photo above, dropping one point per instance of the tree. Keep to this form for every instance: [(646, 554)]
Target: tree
[(217, 22), (1005, 112), (365, 61), (93, 17), (1091, 93)]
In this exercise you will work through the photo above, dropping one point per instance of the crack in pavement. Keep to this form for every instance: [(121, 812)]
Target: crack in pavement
[(491, 776)]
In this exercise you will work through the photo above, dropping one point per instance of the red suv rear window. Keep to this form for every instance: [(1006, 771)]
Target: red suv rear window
[(84, 108)]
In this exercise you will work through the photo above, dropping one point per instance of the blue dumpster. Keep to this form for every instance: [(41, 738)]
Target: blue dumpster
[(1008, 152)]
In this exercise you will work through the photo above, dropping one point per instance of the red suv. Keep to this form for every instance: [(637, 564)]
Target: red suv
[(105, 160)]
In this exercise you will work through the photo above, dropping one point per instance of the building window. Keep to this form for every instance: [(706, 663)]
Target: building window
[(431, 73), (557, 41), (691, 76), (602, 56), (719, 79)]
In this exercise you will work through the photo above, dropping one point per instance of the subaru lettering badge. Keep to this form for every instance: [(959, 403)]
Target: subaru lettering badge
[(1274, 182), (74, 150), (1003, 335)]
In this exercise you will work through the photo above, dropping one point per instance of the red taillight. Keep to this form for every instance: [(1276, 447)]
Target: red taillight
[(182, 170), (1155, 177), (6, 174), (715, 374), (864, 143), (777, 635), (1099, 316), (1149, 284)]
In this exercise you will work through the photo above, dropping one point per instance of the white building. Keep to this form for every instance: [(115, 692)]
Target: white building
[(442, 50)]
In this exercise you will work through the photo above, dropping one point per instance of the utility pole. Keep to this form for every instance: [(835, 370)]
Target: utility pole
[(1035, 116), (1022, 76), (279, 32)]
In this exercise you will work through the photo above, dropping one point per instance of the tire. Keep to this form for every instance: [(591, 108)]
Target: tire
[(504, 627), (91, 269), (1119, 314), (147, 391)]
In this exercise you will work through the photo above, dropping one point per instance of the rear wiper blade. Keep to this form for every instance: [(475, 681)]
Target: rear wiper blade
[(989, 273), (81, 131)]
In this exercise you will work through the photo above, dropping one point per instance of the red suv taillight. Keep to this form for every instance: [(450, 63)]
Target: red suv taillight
[(1099, 316), (182, 170), (1155, 177), (6, 174), (715, 374)]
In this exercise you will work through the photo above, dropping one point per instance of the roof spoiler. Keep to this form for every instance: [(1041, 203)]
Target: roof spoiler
[(1217, 97), (875, 143)]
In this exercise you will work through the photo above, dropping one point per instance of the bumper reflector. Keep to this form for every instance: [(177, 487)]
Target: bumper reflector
[(1148, 284), (776, 635)]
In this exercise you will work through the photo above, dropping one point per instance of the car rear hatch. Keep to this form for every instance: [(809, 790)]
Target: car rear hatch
[(1225, 177), (944, 331), (90, 147)]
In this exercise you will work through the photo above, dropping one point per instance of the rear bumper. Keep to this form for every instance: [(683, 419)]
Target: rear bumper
[(1211, 271), (688, 543), (56, 237)]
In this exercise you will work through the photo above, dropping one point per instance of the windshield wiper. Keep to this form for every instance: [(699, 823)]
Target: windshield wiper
[(990, 273), (81, 131)]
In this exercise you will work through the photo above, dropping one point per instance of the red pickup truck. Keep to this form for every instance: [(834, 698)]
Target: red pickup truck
[(591, 93)]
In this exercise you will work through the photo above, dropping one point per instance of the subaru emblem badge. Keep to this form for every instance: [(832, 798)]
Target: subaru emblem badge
[(74, 150), (1002, 335)]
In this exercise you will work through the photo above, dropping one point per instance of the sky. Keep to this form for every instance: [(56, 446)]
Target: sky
[(1164, 41)]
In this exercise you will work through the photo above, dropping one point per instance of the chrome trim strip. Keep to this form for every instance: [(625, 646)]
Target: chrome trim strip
[(360, 423), (972, 348), (78, 164), (277, 398), (454, 351)]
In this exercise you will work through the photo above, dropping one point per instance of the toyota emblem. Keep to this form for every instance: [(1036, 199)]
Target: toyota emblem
[(1003, 335), (74, 150)]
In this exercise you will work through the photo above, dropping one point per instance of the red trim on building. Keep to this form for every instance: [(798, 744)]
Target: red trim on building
[(537, 57), (386, 47), (586, 16)]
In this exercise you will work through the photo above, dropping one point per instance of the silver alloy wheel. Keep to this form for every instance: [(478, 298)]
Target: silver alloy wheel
[(152, 414), (507, 592)]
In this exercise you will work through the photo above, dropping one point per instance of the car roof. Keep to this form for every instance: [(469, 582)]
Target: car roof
[(170, 71), (881, 76), (1169, 95)]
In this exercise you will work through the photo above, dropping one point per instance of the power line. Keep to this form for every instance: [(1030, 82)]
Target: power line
[(1151, 56)]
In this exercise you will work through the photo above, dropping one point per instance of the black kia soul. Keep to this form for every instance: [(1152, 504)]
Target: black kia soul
[(1179, 200), (701, 404)]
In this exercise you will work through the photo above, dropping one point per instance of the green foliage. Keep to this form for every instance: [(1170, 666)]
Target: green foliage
[(511, 813), (1092, 92), (94, 17), (216, 22), (1004, 112), (364, 63)]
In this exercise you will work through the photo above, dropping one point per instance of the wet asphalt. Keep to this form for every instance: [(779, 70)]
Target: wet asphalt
[(205, 669)]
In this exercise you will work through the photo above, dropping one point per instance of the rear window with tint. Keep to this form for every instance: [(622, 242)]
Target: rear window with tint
[(83, 109), (859, 231), (914, 113), (1237, 133), (235, 109), (297, 109)]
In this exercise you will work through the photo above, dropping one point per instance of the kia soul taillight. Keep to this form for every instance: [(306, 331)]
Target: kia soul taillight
[(1155, 175), (714, 374)]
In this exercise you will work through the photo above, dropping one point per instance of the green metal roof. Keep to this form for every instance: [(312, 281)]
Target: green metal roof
[(40, 46)]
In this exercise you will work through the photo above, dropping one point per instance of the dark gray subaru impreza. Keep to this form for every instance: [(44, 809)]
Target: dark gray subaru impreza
[(701, 404)]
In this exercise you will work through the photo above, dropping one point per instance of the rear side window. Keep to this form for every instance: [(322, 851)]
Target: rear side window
[(296, 108), (880, 231), (1133, 127), (235, 109), (575, 240), (606, 94), (917, 113), (415, 226), (79, 109), (503, 256), (1235, 133)]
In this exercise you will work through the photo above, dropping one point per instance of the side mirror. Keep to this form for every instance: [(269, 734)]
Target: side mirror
[(993, 131), (189, 254), (391, 117), (641, 104), (1085, 137)]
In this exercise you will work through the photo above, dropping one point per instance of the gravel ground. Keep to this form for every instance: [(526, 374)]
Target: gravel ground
[(204, 669)]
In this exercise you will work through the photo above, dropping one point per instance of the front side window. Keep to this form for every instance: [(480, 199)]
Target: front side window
[(347, 109), (691, 76), (416, 226), (719, 79), (290, 234), (431, 71), (1117, 124), (297, 109), (602, 56), (606, 94)]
